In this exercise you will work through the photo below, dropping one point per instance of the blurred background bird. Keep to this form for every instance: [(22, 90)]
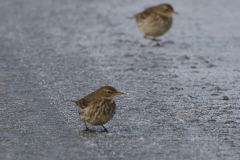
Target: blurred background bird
[(98, 107), (155, 21)]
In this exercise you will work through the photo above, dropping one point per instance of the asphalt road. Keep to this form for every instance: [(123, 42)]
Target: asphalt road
[(181, 100)]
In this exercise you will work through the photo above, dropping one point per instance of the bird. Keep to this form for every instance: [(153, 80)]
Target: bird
[(155, 21), (98, 107)]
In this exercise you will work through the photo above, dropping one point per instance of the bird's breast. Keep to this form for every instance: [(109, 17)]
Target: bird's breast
[(99, 113)]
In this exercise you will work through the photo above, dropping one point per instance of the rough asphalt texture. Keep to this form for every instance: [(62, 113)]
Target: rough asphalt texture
[(181, 100)]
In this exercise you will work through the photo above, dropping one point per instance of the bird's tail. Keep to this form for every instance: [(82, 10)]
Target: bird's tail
[(75, 102), (131, 17)]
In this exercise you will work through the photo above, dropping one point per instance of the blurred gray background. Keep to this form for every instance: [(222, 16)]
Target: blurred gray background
[(181, 100)]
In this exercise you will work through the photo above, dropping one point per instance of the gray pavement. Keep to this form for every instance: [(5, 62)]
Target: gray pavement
[(181, 100)]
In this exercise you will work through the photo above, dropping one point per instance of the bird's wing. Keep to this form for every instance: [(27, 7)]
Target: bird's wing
[(144, 16), (146, 13), (83, 103), (86, 101)]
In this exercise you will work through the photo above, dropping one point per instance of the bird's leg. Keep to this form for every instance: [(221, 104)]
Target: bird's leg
[(156, 40), (153, 40), (157, 44), (87, 129), (105, 129)]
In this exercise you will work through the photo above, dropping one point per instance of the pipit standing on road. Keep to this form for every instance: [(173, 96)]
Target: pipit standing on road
[(155, 21), (98, 107)]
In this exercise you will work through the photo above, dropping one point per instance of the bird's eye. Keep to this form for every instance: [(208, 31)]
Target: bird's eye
[(109, 92)]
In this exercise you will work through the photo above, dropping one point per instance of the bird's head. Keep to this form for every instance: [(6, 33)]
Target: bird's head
[(107, 93), (166, 10)]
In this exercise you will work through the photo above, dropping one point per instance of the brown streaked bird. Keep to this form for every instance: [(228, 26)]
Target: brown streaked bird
[(98, 107), (155, 21)]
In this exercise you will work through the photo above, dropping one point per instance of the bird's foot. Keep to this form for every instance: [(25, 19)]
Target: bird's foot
[(89, 130), (104, 129), (156, 40), (152, 38), (163, 43), (159, 45)]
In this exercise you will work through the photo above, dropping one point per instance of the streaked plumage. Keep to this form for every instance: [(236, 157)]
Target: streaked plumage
[(98, 107)]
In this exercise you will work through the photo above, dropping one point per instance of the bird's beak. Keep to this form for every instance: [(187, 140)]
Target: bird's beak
[(173, 12), (118, 93)]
